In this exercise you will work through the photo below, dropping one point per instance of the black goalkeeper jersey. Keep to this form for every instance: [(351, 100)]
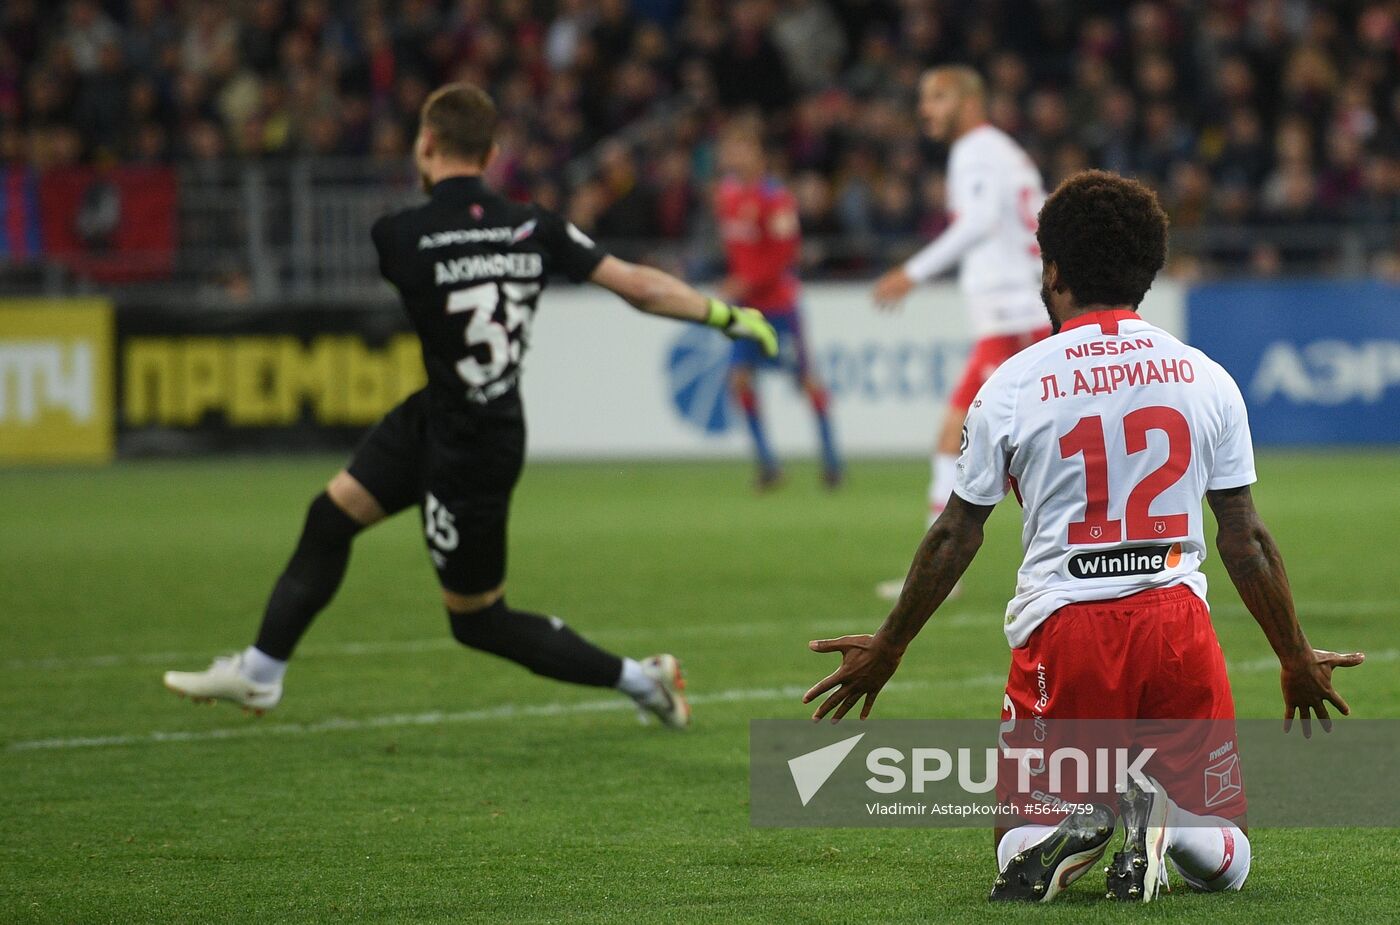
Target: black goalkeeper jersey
[(470, 266)]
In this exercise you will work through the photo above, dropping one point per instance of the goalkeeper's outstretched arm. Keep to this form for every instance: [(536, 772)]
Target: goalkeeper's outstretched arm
[(659, 293), (651, 290)]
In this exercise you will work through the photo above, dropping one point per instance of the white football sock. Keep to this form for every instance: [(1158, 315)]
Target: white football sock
[(1018, 840), (637, 684), (944, 468), (260, 668), (1209, 852)]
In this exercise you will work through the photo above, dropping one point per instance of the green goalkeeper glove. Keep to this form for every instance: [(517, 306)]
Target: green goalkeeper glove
[(747, 323)]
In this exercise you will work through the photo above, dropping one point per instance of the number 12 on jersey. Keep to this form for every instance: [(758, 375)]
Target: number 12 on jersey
[(1086, 438)]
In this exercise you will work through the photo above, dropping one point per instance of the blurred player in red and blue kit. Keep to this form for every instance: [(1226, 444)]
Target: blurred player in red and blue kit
[(758, 224)]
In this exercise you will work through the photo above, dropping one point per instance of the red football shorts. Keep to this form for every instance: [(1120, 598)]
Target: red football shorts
[(1149, 670), (987, 354)]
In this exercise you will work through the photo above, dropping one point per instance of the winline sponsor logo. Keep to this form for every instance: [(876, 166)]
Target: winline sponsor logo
[(1131, 560)]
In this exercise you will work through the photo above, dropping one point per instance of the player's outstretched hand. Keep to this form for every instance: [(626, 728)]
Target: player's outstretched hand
[(891, 289), (1308, 687), (748, 323), (866, 664)]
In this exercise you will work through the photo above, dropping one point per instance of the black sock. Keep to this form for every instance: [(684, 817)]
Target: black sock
[(310, 579), (545, 645)]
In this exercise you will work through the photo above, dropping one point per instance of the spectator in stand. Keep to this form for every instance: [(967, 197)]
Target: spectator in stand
[(817, 217), (630, 204), (677, 201), (1341, 180), (1290, 110), (90, 31), (894, 216)]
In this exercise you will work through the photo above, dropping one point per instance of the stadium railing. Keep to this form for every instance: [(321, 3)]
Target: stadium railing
[(297, 231)]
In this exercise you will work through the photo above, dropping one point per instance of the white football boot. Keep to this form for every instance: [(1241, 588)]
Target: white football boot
[(1138, 873), (225, 680), (671, 707)]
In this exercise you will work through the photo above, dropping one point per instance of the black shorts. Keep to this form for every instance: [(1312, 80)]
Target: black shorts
[(460, 472)]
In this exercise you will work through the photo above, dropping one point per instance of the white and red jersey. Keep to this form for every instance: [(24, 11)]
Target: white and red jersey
[(994, 195), (1110, 433)]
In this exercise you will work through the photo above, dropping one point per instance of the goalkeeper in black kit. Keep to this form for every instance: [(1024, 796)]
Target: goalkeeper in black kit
[(470, 267)]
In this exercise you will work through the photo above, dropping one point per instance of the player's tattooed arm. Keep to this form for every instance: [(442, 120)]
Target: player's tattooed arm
[(868, 662), (944, 554), (1255, 566)]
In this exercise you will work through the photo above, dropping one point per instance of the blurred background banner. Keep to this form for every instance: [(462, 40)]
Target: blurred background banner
[(1318, 361), (651, 390), (55, 381), (114, 225), (312, 377), (602, 381)]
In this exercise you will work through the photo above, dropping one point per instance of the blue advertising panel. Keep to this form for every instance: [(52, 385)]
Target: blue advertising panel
[(1318, 362)]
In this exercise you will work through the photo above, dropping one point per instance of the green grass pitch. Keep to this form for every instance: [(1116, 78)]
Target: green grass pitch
[(405, 780)]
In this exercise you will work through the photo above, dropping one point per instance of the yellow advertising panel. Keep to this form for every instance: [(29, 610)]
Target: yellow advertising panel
[(264, 380), (56, 380)]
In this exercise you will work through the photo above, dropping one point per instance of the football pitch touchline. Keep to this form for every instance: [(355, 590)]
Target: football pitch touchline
[(445, 642), (442, 718), (1266, 664), (519, 711)]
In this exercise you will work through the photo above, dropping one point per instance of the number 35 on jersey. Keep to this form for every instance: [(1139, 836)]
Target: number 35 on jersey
[(498, 317)]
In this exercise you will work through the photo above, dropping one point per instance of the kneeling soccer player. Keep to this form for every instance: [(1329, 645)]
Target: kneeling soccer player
[(1111, 431), (469, 266)]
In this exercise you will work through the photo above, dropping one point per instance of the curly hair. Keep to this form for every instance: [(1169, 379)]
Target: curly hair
[(1107, 235)]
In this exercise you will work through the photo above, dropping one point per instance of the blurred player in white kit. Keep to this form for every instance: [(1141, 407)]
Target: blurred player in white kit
[(994, 195)]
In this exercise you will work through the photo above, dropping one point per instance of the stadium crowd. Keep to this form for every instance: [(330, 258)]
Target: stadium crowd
[(1253, 114)]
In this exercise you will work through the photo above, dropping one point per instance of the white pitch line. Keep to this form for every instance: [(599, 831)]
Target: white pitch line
[(1271, 664), (398, 720), (956, 620), (519, 711), (441, 718), (445, 642), (1320, 608), (58, 663)]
